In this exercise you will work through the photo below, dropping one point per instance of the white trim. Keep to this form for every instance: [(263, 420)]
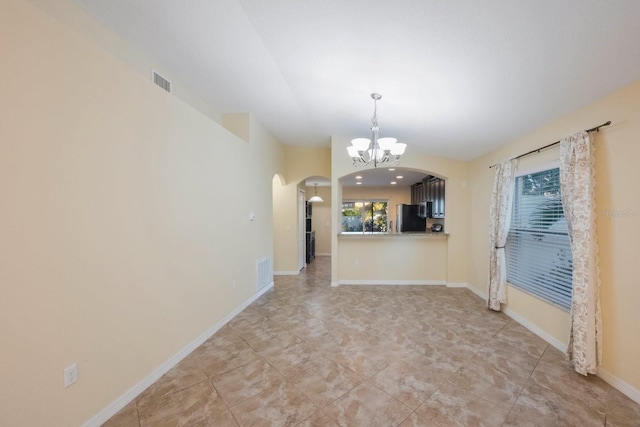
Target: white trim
[(286, 273), (324, 254), (477, 291), (122, 401), (457, 285), (391, 282), (536, 330), (334, 284), (302, 224), (524, 322), (620, 385)]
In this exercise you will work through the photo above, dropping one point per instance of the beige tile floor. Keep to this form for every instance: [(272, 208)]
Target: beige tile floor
[(306, 354)]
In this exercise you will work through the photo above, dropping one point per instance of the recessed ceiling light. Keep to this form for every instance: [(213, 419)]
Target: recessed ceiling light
[(358, 183), (399, 177), (392, 169), (393, 183), (358, 177)]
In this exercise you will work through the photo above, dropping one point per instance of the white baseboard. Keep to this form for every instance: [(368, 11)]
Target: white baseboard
[(457, 285), (286, 273), (392, 282), (536, 330), (115, 406), (524, 322), (477, 291), (334, 284), (323, 254), (622, 386)]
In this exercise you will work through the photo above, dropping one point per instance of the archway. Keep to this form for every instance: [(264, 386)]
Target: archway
[(395, 186)]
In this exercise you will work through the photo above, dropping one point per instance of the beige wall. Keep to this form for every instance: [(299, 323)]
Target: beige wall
[(73, 16), (301, 163), (321, 220), (117, 246), (618, 226), (123, 229), (393, 259), (458, 215)]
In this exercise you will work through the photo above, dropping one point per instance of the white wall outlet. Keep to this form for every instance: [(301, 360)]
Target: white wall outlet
[(70, 375), (252, 216), (356, 261)]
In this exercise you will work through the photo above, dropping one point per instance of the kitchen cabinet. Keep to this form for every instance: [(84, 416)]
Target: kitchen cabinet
[(432, 190), (435, 192), (417, 193), (311, 246), (310, 243)]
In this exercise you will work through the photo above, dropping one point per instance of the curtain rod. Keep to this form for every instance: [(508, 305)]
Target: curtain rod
[(537, 150)]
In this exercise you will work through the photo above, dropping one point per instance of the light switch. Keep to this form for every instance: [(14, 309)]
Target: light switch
[(252, 216)]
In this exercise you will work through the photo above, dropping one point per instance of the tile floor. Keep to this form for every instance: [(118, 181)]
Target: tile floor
[(306, 354)]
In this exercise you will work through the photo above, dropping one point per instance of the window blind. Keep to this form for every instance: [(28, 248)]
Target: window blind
[(538, 249)]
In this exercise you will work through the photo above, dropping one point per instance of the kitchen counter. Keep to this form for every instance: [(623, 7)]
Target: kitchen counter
[(414, 234)]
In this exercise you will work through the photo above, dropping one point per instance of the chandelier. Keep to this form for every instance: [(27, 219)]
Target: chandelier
[(377, 150)]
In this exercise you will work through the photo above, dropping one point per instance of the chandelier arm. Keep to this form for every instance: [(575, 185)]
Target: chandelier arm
[(375, 154)]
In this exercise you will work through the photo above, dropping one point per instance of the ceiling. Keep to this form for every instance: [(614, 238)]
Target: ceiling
[(458, 78), (378, 177), (382, 177)]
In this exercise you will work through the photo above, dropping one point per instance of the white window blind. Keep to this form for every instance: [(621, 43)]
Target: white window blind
[(538, 250)]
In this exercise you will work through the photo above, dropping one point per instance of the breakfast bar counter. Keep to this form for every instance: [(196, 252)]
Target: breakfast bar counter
[(416, 258)]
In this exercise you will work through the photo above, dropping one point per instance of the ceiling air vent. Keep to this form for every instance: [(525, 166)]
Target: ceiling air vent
[(162, 82)]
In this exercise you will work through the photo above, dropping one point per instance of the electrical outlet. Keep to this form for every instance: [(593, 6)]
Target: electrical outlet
[(70, 375)]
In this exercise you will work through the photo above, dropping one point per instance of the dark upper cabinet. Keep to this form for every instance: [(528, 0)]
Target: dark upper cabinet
[(432, 190), (417, 193)]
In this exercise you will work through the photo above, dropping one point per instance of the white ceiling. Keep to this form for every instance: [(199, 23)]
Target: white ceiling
[(457, 78), (378, 177), (382, 177)]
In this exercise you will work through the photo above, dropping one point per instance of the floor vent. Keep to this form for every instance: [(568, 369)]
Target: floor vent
[(162, 82), (264, 268)]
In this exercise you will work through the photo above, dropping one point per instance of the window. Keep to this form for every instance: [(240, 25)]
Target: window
[(368, 216), (538, 250)]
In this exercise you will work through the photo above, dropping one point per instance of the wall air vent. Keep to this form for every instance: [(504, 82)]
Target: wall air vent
[(162, 82)]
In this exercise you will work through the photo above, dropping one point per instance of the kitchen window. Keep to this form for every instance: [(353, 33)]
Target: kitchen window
[(367, 216), (538, 250)]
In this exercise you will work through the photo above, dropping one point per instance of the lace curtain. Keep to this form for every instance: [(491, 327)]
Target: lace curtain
[(499, 220), (577, 188)]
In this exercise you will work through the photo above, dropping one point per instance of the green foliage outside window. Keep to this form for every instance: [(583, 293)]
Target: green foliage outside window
[(543, 190), (368, 217)]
